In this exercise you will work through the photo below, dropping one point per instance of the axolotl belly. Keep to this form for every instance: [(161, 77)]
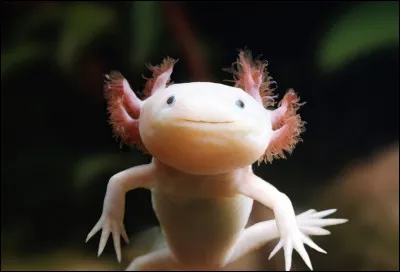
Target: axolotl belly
[(197, 222)]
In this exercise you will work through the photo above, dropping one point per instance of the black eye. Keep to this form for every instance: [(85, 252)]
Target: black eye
[(240, 104), (171, 100)]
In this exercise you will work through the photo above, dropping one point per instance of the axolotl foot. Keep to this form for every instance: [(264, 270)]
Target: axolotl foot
[(109, 225), (310, 222)]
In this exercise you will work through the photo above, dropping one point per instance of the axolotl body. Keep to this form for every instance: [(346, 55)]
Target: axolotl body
[(204, 138)]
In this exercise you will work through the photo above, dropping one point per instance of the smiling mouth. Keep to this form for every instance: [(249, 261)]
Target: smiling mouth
[(207, 122)]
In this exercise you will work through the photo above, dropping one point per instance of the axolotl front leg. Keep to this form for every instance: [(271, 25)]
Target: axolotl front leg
[(291, 236), (111, 220), (310, 222)]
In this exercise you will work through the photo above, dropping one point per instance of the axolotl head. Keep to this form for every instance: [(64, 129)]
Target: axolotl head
[(206, 128)]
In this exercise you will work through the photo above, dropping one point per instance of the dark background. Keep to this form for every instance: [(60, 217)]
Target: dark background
[(58, 151)]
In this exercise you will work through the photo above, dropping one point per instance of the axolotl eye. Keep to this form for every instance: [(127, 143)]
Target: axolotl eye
[(171, 100), (240, 104)]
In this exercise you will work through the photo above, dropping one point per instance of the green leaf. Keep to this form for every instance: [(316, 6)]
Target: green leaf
[(12, 58), (83, 22), (363, 29), (146, 22)]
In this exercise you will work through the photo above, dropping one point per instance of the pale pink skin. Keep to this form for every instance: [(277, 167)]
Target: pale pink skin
[(202, 183)]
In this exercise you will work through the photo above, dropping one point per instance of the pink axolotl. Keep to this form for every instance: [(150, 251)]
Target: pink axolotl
[(204, 138)]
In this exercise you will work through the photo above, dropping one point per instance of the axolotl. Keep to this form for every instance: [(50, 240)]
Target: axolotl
[(204, 138)]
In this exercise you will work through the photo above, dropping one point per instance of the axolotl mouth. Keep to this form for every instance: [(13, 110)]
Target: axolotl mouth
[(216, 126), (207, 122)]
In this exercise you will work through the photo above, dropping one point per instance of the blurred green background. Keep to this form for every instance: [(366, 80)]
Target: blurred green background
[(58, 151)]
